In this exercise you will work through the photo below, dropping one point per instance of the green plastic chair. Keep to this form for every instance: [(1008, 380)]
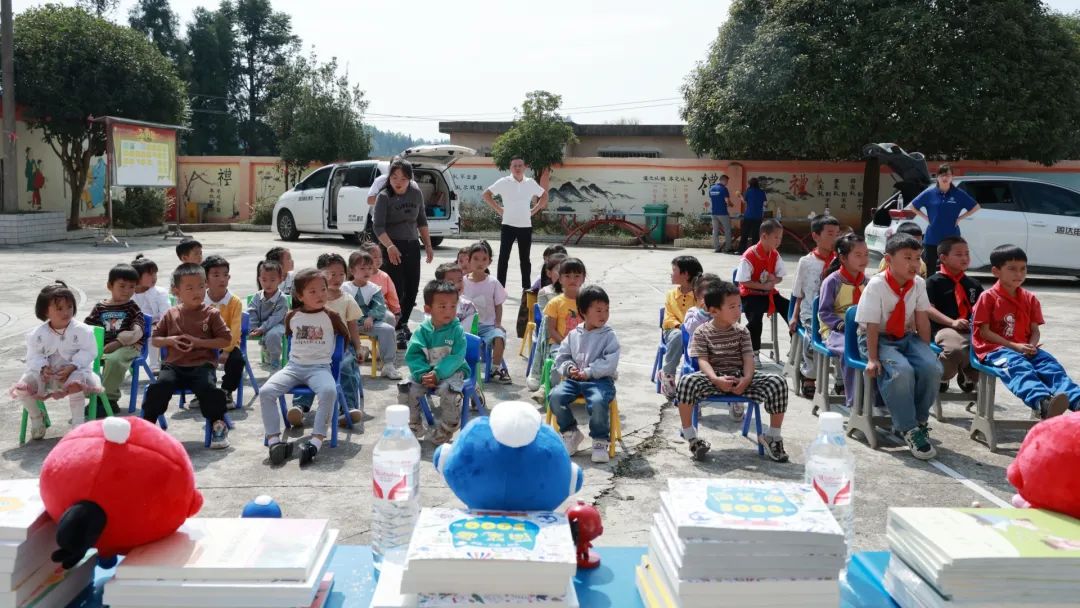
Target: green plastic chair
[(99, 337), (284, 340)]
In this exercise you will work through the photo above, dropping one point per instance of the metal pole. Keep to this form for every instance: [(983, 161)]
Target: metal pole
[(10, 201), (110, 157), (176, 231)]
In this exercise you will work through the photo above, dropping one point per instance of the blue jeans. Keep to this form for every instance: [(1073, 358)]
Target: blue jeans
[(909, 380), (598, 393), (1033, 379)]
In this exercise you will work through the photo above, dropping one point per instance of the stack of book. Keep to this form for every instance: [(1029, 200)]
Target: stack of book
[(28, 575), (728, 542), (975, 558), (228, 563), (490, 559)]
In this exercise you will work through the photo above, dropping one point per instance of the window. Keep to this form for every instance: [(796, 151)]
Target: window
[(360, 176), (989, 194), (1049, 200), (615, 152), (317, 180)]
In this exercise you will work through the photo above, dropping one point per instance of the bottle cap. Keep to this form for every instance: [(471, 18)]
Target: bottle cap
[(831, 422), (397, 415)]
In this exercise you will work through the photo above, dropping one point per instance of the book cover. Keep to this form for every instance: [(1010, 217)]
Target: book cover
[(992, 534), (325, 587), (388, 594), (470, 536), (739, 509), (59, 587), (209, 549), (21, 509)]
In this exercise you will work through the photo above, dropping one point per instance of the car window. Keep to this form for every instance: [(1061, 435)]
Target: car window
[(361, 176), (317, 180), (990, 194), (1049, 200)]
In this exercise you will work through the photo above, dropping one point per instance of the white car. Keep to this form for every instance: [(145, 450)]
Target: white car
[(333, 199), (1041, 218)]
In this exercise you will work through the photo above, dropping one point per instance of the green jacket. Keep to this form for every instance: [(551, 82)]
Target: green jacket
[(442, 350)]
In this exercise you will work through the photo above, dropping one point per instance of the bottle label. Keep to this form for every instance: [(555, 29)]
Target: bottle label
[(833, 487), (391, 484)]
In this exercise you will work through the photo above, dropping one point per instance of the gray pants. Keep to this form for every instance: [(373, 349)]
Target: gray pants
[(673, 339), (271, 343), (384, 333), (449, 392), (717, 221), (806, 366), (317, 377)]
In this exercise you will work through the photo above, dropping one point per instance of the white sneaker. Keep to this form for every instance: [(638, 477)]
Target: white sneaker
[(533, 384), (737, 411), (539, 397), (37, 427), (390, 372), (572, 440), (600, 451), (219, 436)]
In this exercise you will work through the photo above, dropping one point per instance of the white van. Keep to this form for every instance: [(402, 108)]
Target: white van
[(333, 199)]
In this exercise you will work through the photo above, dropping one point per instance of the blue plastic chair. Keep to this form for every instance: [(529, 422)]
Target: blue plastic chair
[(774, 343), (485, 354), (238, 402), (340, 409), (823, 365), (984, 423), (469, 392), (537, 321), (661, 352), (164, 423), (862, 417), (141, 362), (753, 410)]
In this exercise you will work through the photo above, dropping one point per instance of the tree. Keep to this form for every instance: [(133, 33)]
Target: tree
[(389, 143), (317, 115), (817, 79), (74, 66), (156, 20), (213, 83), (539, 135), (265, 42), (97, 7)]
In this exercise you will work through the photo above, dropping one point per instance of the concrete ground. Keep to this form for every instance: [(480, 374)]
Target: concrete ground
[(626, 490)]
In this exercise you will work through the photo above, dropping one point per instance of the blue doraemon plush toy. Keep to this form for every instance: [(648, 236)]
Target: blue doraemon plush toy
[(509, 461)]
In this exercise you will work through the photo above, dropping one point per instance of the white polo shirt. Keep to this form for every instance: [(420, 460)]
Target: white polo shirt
[(516, 199), (878, 301)]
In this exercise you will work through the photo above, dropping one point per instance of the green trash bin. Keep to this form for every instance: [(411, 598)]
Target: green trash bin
[(656, 221)]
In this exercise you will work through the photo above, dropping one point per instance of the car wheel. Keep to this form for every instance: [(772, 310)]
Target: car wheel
[(436, 241), (286, 227)]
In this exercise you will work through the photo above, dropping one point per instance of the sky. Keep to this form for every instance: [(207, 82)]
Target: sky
[(476, 60)]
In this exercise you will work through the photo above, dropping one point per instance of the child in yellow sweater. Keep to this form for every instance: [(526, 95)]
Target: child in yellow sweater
[(684, 269), (231, 309)]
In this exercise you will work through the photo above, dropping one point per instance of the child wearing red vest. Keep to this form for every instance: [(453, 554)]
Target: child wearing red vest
[(894, 336), (952, 298), (760, 270), (1007, 319)]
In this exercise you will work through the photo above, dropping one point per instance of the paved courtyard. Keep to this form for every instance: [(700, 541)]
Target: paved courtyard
[(626, 490)]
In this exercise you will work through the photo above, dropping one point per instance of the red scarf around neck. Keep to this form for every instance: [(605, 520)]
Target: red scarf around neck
[(897, 324), (963, 307), (825, 260), (857, 281)]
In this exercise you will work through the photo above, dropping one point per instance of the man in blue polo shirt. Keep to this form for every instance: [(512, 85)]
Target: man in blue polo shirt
[(720, 197), (942, 206)]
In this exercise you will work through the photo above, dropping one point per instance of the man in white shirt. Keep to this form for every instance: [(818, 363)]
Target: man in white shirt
[(521, 198)]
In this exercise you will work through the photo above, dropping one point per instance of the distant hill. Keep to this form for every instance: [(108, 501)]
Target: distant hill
[(389, 143)]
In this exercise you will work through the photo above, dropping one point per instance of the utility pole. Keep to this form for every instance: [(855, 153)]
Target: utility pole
[(10, 201)]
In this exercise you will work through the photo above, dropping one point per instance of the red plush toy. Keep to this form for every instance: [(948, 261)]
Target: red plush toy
[(1046, 472), (116, 484), (585, 527)]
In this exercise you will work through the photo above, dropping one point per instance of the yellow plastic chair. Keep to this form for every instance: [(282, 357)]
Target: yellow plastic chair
[(613, 410), (530, 327), (374, 353)]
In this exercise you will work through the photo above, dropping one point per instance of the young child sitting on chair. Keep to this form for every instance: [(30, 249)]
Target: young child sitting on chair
[(488, 295), (588, 362), (824, 229), (953, 295), (699, 314), (152, 300), (124, 331), (232, 311), (842, 289), (760, 270), (684, 270), (466, 310), (372, 302), (546, 294), (266, 312)]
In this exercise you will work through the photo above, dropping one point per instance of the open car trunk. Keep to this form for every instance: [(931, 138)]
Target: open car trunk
[(436, 193), (910, 171)]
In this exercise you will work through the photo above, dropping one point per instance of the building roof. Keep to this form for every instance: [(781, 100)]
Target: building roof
[(470, 126)]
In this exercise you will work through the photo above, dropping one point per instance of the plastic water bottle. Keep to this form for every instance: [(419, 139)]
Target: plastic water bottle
[(830, 470), (395, 473)]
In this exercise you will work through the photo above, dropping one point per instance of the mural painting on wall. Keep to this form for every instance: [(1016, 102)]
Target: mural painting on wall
[(35, 179), (210, 192), (798, 195), (269, 185), (93, 194)]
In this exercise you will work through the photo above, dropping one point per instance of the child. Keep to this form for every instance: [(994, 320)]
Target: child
[(488, 295), (700, 313), (684, 269), (760, 270), (369, 297), (824, 229), (546, 294), (588, 361), (561, 313), (913, 230), (463, 259), (60, 356), (266, 312), (385, 283), (436, 360), (283, 256), (189, 251), (466, 310), (952, 296), (726, 362), (123, 323), (314, 329), (1007, 319), (232, 312), (544, 280), (191, 331), (152, 300), (894, 336), (842, 289)]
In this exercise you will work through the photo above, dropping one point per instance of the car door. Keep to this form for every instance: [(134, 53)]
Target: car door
[(1053, 218), (352, 198), (1000, 219), (308, 211)]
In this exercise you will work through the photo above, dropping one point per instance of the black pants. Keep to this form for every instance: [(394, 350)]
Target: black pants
[(748, 235), (198, 380), (929, 255), (234, 371), (523, 236), (755, 307), (406, 277)]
